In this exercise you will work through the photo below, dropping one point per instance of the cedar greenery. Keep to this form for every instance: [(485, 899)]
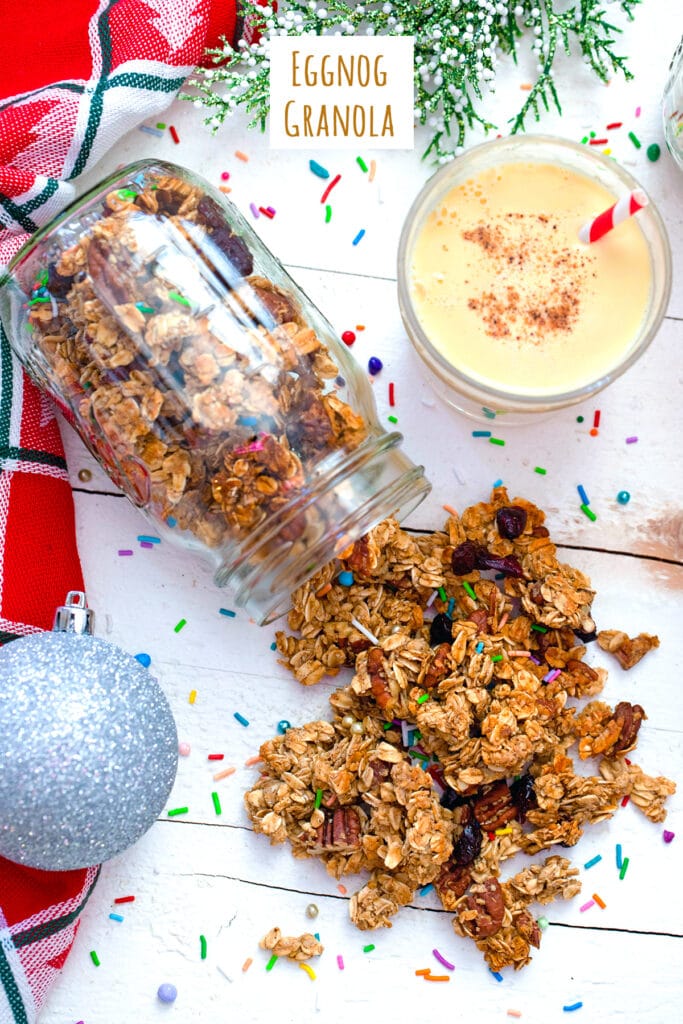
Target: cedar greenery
[(457, 44)]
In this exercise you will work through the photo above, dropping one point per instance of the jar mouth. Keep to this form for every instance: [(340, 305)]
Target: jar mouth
[(533, 149), (371, 484)]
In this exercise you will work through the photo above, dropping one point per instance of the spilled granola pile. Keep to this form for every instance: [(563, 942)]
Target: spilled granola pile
[(452, 749)]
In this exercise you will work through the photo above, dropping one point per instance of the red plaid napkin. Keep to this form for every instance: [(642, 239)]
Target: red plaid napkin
[(95, 70)]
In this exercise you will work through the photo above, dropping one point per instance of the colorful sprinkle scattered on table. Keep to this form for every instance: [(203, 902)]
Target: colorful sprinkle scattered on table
[(240, 718)]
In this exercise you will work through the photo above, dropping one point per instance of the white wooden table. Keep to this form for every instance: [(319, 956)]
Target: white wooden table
[(200, 874)]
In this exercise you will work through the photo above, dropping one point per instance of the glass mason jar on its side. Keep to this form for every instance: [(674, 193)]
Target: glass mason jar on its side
[(672, 106), (208, 386)]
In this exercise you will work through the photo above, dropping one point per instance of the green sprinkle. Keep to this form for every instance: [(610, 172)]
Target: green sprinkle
[(543, 923), (589, 512), (387, 725), (179, 625), (318, 798), (423, 698), (144, 309), (127, 193), (496, 657), (178, 810), (328, 214), (591, 135), (43, 278), (624, 867), (362, 164), (39, 298), (179, 298), (442, 594), (653, 152), (202, 946), (579, 419), (540, 470), (584, 140), (392, 419), (369, 948), (497, 440), (94, 957), (418, 754), (216, 803), (539, 629), (160, 125), (417, 735), (467, 587), (635, 140), (271, 963)]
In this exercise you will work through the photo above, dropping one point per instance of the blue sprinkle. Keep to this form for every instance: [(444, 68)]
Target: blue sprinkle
[(481, 433), (247, 421), (318, 169), (488, 413), (171, 521), (148, 540), (317, 935), (574, 1006), (283, 726), (167, 993), (358, 236), (619, 857), (480, 647), (425, 889), (226, 611), (623, 497), (144, 659), (375, 364), (273, 646), (583, 495), (150, 131), (115, 917), (497, 483), (499, 576), (451, 606), (593, 861), (240, 718), (345, 578), (496, 974)]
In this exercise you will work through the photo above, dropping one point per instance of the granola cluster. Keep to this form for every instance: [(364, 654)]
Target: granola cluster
[(294, 947), (197, 382), (452, 748)]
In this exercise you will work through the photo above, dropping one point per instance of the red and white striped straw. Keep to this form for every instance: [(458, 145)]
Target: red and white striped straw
[(604, 222)]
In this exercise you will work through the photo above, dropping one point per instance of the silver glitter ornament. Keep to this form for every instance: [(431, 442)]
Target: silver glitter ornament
[(88, 746)]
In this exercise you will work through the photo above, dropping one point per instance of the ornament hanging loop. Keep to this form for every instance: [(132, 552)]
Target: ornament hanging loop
[(74, 616)]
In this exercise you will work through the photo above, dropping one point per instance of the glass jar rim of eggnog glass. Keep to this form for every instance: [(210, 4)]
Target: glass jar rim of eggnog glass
[(509, 311)]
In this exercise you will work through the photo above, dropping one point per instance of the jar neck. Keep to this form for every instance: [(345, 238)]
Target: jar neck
[(345, 500)]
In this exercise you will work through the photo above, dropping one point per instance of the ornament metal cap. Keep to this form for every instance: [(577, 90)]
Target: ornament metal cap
[(74, 616)]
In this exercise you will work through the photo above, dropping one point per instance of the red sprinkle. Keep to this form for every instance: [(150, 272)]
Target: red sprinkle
[(596, 418), (391, 394), (125, 899), (174, 134), (216, 757), (598, 142), (348, 337), (266, 211), (594, 432), (625, 800), (615, 124), (329, 188)]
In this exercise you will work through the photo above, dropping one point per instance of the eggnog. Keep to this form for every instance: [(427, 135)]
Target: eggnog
[(509, 296)]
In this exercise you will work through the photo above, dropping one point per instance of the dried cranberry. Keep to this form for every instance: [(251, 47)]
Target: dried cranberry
[(523, 795), (464, 558), (467, 847), (509, 565), (450, 799), (585, 637), (511, 520), (441, 629), (57, 284), (235, 250), (210, 213)]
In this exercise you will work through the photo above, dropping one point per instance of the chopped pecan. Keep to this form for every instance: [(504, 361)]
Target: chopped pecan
[(378, 680), (527, 928), (481, 911), (495, 807), (436, 668), (452, 883)]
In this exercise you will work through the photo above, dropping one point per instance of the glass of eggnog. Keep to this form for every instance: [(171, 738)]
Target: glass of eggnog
[(510, 311)]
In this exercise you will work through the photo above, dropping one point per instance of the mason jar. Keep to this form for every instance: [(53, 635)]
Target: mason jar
[(205, 382), (672, 106)]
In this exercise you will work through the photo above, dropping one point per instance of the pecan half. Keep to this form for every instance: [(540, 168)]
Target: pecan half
[(481, 911), (495, 807), (628, 717), (378, 680), (339, 832)]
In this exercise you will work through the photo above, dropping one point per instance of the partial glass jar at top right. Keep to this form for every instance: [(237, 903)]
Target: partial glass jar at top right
[(672, 106)]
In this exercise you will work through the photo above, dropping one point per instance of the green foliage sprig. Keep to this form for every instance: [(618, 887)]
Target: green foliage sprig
[(457, 45)]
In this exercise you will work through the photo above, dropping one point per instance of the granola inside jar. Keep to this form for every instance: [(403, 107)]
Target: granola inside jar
[(212, 391)]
